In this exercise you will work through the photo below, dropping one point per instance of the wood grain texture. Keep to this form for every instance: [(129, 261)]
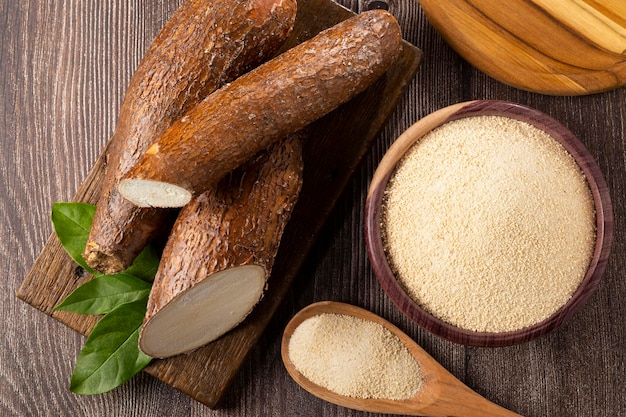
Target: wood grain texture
[(64, 67), (567, 47)]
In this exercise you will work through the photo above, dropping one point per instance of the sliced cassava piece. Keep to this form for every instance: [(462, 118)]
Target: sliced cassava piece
[(220, 253), (268, 103), (204, 45)]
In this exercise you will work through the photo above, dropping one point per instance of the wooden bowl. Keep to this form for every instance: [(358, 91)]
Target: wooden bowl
[(564, 47), (597, 185)]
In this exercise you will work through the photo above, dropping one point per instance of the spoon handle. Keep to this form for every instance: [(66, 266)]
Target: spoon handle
[(455, 399)]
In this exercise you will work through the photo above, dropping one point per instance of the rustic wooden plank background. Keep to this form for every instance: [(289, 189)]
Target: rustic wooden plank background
[(64, 67)]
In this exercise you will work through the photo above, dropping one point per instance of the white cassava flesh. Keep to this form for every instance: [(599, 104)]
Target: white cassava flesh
[(148, 193), (203, 312)]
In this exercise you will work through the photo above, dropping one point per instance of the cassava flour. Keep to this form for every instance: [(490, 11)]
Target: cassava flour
[(354, 357), (489, 224)]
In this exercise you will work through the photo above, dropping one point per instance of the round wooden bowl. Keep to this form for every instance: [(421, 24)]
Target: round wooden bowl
[(597, 185)]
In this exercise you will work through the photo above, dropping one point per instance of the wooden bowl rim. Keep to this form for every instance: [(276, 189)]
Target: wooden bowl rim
[(595, 180)]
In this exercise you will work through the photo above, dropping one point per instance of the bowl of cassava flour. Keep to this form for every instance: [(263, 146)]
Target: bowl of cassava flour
[(488, 223)]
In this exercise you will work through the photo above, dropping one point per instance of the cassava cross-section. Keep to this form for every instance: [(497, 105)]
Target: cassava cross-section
[(221, 251), (268, 103), (204, 45)]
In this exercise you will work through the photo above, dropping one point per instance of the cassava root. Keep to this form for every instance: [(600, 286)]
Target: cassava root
[(220, 253), (204, 45), (262, 106)]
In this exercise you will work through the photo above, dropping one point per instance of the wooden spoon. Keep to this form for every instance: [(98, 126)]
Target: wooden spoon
[(441, 394)]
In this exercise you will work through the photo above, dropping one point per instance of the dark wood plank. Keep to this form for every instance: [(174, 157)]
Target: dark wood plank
[(64, 67)]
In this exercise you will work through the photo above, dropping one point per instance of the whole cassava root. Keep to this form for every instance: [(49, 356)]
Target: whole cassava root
[(204, 45), (220, 253), (262, 106)]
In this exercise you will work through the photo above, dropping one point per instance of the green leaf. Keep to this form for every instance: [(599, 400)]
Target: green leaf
[(72, 222), (145, 264), (111, 354), (103, 294)]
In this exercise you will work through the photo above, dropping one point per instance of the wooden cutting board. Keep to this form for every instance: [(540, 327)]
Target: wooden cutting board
[(557, 47), (333, 151)]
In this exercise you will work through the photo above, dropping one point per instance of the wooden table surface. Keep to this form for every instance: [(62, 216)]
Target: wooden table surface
[(64, 67)]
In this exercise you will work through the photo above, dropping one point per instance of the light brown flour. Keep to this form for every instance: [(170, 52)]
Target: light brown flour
[(489, 224), (354, 357)]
